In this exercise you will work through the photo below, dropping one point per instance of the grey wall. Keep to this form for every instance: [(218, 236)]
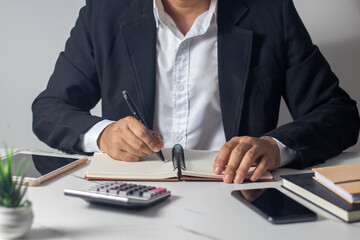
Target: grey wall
[(33, 32)]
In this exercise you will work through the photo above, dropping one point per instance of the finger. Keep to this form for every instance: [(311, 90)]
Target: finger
[(260, 169), (141, 132), (136, 143), (138, 136), (124, 146), (235, 159), (249, 158), (223, 156), (158, 137)]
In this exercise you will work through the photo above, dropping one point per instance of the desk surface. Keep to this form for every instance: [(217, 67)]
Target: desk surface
[(196, 210)]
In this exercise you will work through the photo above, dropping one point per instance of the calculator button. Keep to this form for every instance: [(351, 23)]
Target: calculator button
[(149, 194), (159, 190), (148, 188), (136, 194), (113, 191), (103, 190), (123, 193)]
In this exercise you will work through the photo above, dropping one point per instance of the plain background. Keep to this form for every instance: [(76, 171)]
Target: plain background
[(34, 32)]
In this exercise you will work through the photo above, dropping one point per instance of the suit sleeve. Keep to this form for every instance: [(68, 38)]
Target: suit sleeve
[(326, 119), (62, 111)]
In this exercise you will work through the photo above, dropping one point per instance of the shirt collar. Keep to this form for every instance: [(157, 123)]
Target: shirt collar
[(161, 15)]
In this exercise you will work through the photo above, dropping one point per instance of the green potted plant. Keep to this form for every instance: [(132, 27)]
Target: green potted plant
[(15, 211)]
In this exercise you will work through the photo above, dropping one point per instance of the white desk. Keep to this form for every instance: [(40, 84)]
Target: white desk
[(196, 210)]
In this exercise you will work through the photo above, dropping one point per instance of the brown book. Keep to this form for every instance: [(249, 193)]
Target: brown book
[(198, 165), (344, 180)]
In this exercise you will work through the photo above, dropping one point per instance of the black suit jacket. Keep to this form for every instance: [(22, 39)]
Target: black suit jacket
[(264, 52)]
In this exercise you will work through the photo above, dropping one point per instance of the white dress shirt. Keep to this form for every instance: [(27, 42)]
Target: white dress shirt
[(187, 105), (187, 91)]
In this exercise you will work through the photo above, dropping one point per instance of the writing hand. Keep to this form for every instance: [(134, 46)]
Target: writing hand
[(240, 153), (129, 140)]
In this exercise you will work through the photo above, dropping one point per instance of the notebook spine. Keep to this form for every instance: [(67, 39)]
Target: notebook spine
[(178, 159)]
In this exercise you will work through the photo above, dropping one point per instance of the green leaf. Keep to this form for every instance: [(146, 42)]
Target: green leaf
[(18, 170), (12, 190), (9, 165), (22, 194), (4, 184), (2, 172), (18, 194)]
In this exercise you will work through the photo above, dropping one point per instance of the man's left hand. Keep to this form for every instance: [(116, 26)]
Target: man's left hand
[(240, 153)]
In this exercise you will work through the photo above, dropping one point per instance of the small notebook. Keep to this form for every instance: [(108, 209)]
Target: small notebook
[(198, 165), (344, 180)]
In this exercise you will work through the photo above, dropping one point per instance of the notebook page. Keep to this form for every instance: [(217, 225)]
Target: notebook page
[(199, 163), (150, 167)]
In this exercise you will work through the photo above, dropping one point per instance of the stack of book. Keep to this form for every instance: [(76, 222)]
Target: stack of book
[(335, 189), (343, 180)]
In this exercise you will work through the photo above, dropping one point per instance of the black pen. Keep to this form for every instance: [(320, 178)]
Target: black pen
[(138, 116)]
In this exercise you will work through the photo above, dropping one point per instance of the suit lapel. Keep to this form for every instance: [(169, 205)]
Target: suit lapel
[(234, 53), (140, 36)]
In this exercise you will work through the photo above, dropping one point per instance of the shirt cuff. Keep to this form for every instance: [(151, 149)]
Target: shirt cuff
[(287, 155), (89, 139)]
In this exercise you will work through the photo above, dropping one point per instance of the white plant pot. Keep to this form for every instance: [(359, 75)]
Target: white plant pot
[(15, 222)]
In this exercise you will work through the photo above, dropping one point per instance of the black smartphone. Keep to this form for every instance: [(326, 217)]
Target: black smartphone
[(274, 205)]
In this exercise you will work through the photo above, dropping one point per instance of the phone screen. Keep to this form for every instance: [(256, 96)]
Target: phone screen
[(274, 205), (41, 165)]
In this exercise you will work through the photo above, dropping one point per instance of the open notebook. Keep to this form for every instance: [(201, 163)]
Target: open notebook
[(199, 166)]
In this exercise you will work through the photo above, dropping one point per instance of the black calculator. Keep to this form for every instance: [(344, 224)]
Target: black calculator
[(121, 194)]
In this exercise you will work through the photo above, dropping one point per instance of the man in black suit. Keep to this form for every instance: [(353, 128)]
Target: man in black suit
[(206, 74)]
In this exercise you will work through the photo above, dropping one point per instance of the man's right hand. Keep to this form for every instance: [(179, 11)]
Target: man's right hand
[(128, 140)]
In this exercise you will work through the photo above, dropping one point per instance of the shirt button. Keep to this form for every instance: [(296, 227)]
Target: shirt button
[(178, 138), (179, 86)]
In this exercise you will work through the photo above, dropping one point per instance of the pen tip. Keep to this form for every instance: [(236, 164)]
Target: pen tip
[(161, 156)]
